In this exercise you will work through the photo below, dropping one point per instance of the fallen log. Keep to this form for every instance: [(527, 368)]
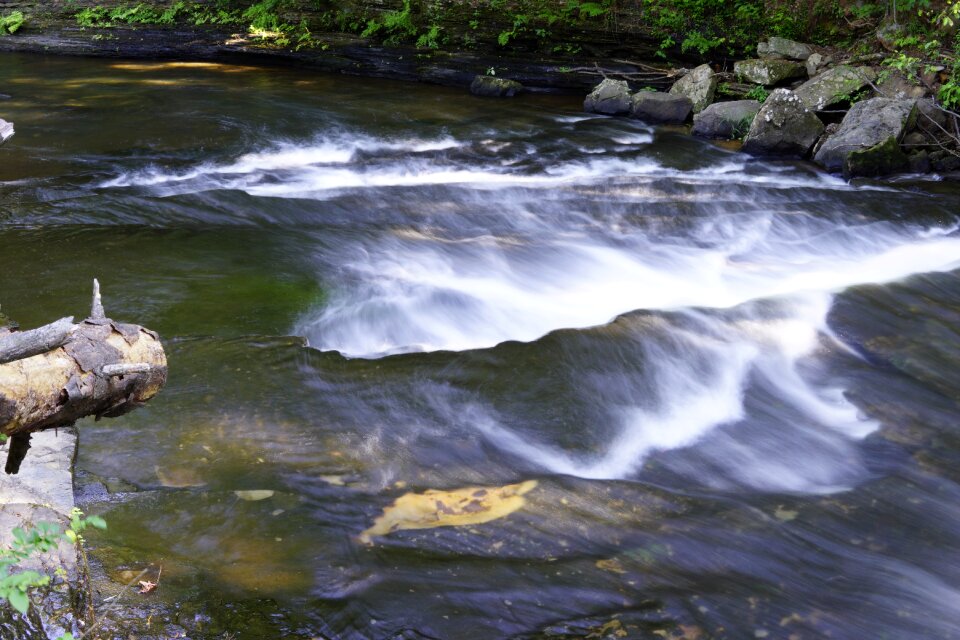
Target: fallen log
[(53, 376)]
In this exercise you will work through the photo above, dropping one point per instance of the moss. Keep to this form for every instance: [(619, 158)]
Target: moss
[(879, 160)]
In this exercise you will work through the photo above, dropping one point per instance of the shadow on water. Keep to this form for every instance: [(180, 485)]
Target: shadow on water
[(733, 380)]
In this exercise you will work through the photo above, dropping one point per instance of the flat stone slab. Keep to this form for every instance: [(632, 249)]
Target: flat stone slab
[(833, 86), (768, 72)]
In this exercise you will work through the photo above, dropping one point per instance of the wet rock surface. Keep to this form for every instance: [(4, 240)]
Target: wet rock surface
[(652, 106), (611, 97), (494, 87)]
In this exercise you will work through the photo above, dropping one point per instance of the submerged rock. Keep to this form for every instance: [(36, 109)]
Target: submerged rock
[(699, 85), (494, 87), (726, 120), (611, 97), (6, 130), (653, 106), (866, 125), (777, 47), (784, 126), (834, 85), (768, 72)]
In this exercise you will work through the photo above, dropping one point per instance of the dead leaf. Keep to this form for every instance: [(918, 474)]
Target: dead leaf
[(433, 508), (255, 495), (146, 586)]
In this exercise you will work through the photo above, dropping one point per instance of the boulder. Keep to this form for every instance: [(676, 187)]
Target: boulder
[(866, 125), (653, 106), (919, 161), (495, 87), (768, 72), (943, 160), (699, 85), (611, 97), (726, 119), (6, 131), (881, 159), (784, 48), (816, 63), (931, 119), (784, 126), (897, 85), (834, 85)]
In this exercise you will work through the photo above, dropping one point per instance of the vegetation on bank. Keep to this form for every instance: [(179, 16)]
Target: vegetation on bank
[(917, 37), (22, 588)]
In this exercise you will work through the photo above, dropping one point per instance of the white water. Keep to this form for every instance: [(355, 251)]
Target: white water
[(450, 287)]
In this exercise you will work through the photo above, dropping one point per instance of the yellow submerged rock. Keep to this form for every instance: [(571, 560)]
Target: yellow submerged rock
[(434, 508)]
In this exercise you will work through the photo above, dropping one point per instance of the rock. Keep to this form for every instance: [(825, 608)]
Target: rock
[(915, 139), (834, 85), (944, 161), (784, 126), (866, 125), (784, 48), (897, 85), (610, 96), (930, 118), (6, 131), (816, 62), (768, 72), (726, 119), (881, 159), (699, 85), (919, 161), (494, 87), (653, 106)]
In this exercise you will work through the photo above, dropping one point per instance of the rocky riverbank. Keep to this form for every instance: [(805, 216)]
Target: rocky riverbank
[(860, 120)]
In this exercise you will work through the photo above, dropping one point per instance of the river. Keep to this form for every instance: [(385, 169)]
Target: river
[(735, 381)]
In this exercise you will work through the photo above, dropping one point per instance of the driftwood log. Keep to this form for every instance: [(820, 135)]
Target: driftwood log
[(54, 375)]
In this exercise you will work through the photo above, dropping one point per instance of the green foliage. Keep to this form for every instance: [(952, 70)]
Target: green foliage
[(430, 39), (103, 17), (758, 93), (16, 586), (11, 22)]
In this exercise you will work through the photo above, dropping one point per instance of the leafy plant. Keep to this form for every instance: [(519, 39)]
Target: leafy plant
[(11, 22), (16, 586), (758, 93)]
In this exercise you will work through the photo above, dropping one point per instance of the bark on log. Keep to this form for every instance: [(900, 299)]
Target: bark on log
[(98, 367)]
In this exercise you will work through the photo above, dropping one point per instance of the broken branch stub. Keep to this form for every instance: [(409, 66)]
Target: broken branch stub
[(101, 367)]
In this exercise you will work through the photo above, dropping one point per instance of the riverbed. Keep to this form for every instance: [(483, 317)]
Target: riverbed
[(735, 381)]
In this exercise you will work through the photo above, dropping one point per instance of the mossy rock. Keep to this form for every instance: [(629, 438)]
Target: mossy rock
[(879, 160)]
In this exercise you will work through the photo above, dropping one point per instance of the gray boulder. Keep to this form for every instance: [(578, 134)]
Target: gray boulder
[(726, 120), (699, 85), (867, 124), (834, 85), (783, 48), (783, 127), (611, 97), (897, 85), (6, 131), (768, 72), (816, 63), (652, 106), (495, 87)]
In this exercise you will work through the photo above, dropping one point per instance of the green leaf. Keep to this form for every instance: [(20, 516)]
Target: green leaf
[(19, 601)]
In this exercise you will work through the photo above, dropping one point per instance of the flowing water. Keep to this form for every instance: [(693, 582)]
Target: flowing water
[(735, 380)]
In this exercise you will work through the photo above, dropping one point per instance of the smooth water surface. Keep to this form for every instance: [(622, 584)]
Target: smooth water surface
[(735, 381)]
